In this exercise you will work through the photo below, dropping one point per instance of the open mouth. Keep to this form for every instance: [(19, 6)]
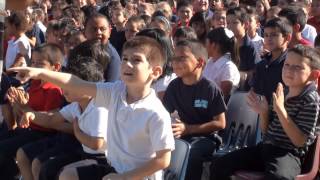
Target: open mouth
[(127, 74)]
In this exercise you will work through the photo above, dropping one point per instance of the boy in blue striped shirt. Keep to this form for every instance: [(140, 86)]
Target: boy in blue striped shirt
[(288, 126)]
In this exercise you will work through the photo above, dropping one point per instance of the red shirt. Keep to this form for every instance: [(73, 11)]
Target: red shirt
[(315, 22), (305, 42), (44, 97)]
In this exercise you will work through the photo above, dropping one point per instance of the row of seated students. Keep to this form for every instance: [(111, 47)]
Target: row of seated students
[(133, 143)]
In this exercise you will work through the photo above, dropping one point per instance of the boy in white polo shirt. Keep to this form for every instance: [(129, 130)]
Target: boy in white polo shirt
[(139, 135)]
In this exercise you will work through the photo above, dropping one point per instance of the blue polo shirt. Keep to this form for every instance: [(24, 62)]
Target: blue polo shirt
[(248, 55), (112, 72), (267, 75)]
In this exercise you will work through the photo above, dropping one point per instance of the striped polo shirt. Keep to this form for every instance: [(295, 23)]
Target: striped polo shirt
[(303, 110)]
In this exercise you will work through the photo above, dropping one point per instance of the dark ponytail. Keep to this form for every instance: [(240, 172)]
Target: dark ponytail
[(226, 42)]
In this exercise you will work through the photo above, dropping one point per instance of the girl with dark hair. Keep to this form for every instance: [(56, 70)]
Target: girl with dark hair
[(221, 67)]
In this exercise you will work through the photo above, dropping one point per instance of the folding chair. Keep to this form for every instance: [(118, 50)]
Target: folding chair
[(179, 161)]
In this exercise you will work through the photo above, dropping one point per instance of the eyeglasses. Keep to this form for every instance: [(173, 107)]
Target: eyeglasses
[(101, 29)]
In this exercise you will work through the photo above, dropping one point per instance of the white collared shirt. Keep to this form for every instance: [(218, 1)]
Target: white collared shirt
[(222, 69), (135, 131), (309, 33), (15, 47), (93, 121), (258, 42)]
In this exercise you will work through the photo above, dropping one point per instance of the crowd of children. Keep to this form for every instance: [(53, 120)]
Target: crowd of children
[(99, 89)]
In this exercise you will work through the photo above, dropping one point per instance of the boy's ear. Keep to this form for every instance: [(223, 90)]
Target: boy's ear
[(156, 72), (201, 63), (296, 27), (315, 74), (246, 25), (57, 67), (288, 37)]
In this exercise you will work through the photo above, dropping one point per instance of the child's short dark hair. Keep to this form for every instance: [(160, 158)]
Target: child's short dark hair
[(196, 48), (183, 3), (87, 69), (51, 53), (18, 20), (280, 23), (185, 32), (75, 13), (295, 15), (239, 13), (310, 53), (90, 48), (153, 50), (139, 20)]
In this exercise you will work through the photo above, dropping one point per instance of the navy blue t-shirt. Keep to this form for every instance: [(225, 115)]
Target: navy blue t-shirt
[(248, 55), (267, 75), (195, 104)]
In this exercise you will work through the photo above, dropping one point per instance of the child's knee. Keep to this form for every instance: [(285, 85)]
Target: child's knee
[(68, 174), (21, 157), (35, 167)]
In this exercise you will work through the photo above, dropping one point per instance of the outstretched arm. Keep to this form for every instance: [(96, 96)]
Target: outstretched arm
[(17, 4), (64, 80)]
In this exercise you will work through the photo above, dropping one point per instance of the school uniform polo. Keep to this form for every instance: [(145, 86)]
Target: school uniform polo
[(221, 70), (248, 55), (196, 104), (136, 131), (44, 97), (309, 33), (92, 121), (303, 110), (112, 72), (258, 42), (267, 75), (117, 39)]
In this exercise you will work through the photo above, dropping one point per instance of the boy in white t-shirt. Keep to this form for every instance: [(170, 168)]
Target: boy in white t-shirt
[(139, 135), (253, 26)]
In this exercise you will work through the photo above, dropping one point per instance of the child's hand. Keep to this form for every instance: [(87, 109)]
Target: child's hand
[(17, 95), (26, 73), (179, 128), (257, 103), (278, 98), (113, 176), (25, 119)]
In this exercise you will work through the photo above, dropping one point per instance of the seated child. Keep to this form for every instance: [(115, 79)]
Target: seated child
[(267, 75), (196, 103), (237, 19), (221, 67), (43, 96), (288, 126), (19, 48), (139, 135), (297, 19), (89, 124)]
